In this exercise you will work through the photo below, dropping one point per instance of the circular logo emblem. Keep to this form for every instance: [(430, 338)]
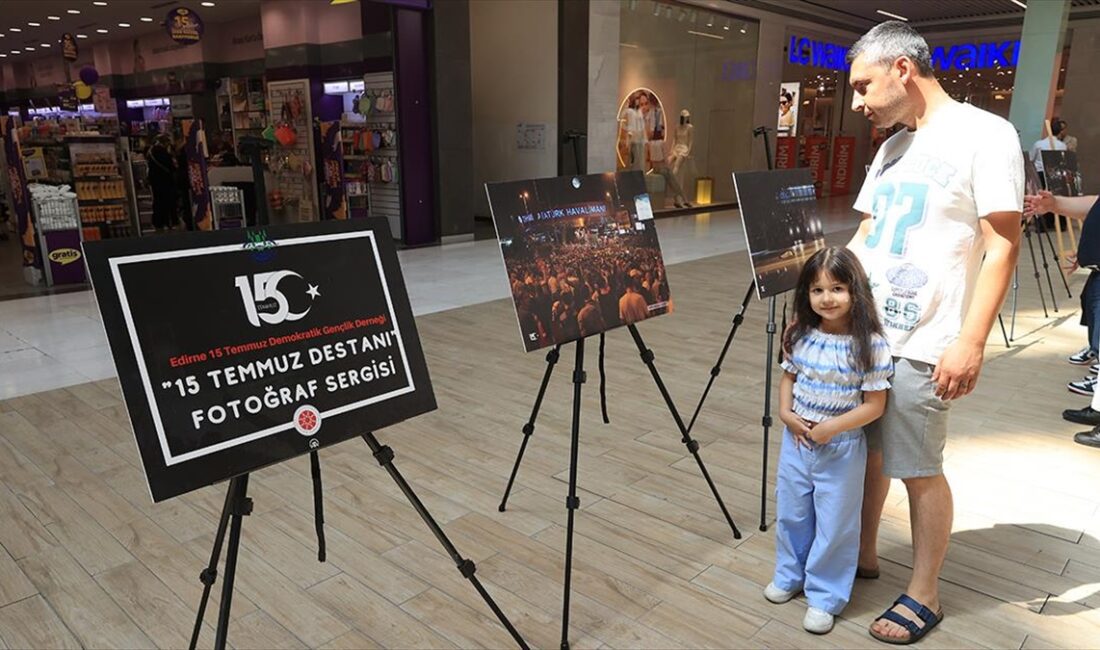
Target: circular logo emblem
[(307, 420)]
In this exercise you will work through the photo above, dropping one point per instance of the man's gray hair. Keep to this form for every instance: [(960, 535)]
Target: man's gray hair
[(892, 39)]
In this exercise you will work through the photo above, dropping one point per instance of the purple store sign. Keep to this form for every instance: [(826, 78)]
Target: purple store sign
[(64, 259)]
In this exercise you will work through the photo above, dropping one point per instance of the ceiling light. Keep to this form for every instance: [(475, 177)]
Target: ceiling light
[(29, 48), (710, 21), (14, 29), (744, 28), (100, 3), (43, 45), (146, 19), (656, 8), (102, 31), (124, 24), (3, 56), (207, 4), (16, 51), (72, 11), (887, 13), (54, 17), (1018, 3), (35, 24), (82, 36), (727, 27)]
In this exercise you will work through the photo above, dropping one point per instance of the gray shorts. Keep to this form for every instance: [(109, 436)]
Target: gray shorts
[(911, 434)]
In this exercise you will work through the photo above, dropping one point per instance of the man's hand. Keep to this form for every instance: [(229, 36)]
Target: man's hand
[(957, 372), (1040, 203)]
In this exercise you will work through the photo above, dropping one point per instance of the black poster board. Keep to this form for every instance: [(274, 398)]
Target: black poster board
[(581, 254), (1060, 171), (244, 348), (782, 230)]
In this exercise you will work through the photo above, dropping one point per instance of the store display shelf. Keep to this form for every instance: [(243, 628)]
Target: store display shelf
[(106, 222), (97, 177), (97, 201)]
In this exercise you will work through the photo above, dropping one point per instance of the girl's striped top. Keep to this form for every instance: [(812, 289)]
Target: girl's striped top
[(828, 382)]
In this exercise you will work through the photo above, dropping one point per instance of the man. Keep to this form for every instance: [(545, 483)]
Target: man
[(1087, 210), (941, 193)]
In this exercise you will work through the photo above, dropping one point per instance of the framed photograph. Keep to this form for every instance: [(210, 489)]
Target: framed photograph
[(779, 214), (581, 254)]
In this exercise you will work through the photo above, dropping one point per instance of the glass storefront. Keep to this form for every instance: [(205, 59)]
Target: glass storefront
[(686, 93)]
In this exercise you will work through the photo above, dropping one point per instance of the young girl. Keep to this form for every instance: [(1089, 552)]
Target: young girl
[(835, 382)]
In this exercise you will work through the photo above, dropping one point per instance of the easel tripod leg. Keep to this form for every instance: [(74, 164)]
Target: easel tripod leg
[(241, 506), (1035, 265), (209, 575), (691, 444), (572, 502), (766, 421), (1039, 230), (738, 318), (551, 359), (384, 455)]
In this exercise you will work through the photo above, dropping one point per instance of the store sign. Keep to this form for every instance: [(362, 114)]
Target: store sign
[(252, 359), (63, 247), (69, 50), (64, 256), (786, 152), (198, 182), (963, 56), (817, 151), (843, 164), (184, 26)]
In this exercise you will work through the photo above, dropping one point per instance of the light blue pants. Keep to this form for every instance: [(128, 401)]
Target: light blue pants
[(820, 496)]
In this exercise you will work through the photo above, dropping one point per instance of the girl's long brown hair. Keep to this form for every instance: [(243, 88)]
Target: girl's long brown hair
[(843, 267)]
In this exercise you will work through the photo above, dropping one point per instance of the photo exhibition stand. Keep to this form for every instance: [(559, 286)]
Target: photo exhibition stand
[(579, 378), (1034, 224), (238, 505)]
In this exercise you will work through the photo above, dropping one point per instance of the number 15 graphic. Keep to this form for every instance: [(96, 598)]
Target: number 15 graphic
[(904, 202)]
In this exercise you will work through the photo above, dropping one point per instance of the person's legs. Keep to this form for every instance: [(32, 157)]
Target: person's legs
[(1090, 312), (931, 511), (838, 486), (876, 486), (794, 525)]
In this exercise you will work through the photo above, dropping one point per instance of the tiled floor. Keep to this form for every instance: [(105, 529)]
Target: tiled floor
[(55, 341)]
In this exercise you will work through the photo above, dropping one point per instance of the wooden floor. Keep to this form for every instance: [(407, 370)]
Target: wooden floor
[(88, 561)]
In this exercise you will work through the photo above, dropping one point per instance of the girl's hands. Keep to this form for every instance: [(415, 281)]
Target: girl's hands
[(798, 427), (823, 432)]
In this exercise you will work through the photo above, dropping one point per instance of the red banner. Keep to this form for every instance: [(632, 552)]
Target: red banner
[(844, 153), (817, 148), (786, 152)]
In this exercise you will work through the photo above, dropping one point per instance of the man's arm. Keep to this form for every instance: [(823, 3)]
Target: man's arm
[(861, 232), (957, 372), (1074, 207)]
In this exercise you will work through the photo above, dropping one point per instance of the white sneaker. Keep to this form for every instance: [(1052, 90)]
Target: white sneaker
[(777, 595), (817, 621)]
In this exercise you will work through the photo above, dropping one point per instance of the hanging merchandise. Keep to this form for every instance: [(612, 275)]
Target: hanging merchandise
[(293, 176), (17, 186), (198, 182), (83, 90), (69, 50), (334, 204)]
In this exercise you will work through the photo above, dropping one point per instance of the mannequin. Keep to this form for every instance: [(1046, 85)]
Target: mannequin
[(683, 139)]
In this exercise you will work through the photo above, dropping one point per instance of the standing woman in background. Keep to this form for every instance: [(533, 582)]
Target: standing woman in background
[(162, 181)]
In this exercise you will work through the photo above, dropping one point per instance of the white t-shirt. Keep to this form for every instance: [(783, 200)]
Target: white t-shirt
[(926, 191), (635, 125), (1043, 144)]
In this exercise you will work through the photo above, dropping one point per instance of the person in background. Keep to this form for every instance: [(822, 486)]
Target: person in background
[(1058, 130), (1086, 209), (162, 182), (183, 182)]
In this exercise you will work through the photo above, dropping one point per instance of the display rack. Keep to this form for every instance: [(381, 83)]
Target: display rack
[(294, 195), (59, 233), (381, 165), (247, 107), (228, 207), (100, 186), (352, 136)]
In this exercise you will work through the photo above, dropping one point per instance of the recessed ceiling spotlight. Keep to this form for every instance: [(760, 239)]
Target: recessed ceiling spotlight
[(14, 29), (146, 19), (72, 11), (124, 24), (16, 52), (710, 21), (744, 28), (890, 15), (207, 4), (29, 48), (3, 56), (727, 26), (82, 36), (100, 3), (102, 31), (43, 45), (54, 17), (35, 24)]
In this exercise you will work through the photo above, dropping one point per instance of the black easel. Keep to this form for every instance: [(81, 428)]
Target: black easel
[(770, 328), (238, 505), (572, 502)]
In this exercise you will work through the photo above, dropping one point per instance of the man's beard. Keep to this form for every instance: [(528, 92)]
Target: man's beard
[(892, 111)]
